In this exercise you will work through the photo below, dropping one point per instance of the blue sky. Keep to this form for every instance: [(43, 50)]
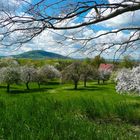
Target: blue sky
[(48, 40)]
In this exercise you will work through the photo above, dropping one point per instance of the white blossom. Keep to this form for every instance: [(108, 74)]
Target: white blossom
[(49, 72), (104, 74), (9, 75), (28, 74), (5, 62), (128, 81)]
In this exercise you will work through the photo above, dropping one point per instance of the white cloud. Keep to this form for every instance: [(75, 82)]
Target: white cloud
[(48, 40), (115, 1), (12, 5), (126, 19)]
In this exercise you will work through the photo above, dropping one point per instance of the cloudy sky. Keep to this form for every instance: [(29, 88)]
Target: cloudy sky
[(50, 41)]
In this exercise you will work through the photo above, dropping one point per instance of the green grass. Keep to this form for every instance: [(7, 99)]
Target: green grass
[(57, 112)]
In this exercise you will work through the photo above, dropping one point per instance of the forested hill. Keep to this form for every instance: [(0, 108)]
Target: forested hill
[(39, 54)]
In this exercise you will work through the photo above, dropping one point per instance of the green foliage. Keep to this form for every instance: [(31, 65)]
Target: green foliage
[(61, 64), (58, 63), (113, 76), (127, 62), (97, 61)]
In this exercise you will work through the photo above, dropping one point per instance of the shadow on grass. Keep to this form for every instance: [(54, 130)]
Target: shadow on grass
[(52, 83), (2, 87), (29, 91), (88, 88)]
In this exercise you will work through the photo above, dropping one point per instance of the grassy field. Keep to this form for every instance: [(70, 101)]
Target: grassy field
[(57, 112)]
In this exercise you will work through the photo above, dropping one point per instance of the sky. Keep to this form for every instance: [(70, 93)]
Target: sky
[(49, 41)]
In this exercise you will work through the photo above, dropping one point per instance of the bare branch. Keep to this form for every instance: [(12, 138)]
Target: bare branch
[(26, 23)]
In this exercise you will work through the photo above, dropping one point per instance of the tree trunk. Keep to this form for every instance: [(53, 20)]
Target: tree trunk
[(75, 85), (103, 81), (98, 81), (8, 88), (39, 85), (27, 85), (85, 82)]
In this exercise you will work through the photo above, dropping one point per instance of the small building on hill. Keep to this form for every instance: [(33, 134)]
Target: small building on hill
[(104, 72), (107, 67)]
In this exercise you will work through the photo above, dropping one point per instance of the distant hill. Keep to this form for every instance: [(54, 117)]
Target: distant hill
[(39, 54)]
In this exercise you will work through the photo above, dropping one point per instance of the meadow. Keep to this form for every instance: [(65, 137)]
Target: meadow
[(57, 112)]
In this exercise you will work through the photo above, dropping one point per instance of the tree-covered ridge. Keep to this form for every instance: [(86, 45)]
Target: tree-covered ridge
[(39, 54)]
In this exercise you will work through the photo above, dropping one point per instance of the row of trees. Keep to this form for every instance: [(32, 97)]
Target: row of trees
[(12, 73), (27, 74), (81, 71), (128, 80)]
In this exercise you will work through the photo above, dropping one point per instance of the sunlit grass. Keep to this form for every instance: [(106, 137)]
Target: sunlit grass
[(58, 112)]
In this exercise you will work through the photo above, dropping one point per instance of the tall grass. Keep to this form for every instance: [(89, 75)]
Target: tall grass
[(69, 115)]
